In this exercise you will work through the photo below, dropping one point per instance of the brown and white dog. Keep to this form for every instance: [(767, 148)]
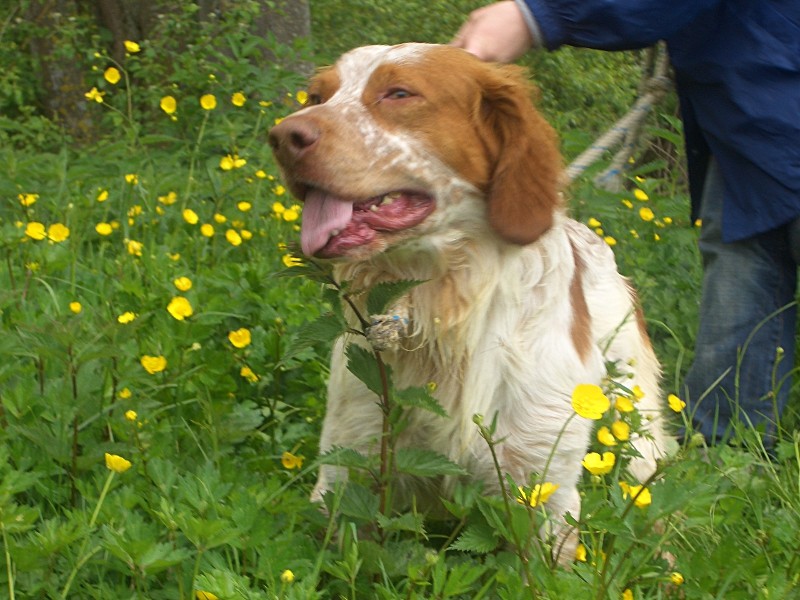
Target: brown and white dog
[(420, 162)]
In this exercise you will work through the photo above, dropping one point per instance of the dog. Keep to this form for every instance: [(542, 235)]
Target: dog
[(420, 162)]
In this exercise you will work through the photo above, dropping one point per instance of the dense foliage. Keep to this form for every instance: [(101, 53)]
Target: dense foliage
[(163, 380)]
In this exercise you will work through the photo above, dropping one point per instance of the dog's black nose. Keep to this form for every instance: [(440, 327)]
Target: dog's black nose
[(293, 137)]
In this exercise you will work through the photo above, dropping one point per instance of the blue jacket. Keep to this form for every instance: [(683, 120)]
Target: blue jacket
[(737, 68)]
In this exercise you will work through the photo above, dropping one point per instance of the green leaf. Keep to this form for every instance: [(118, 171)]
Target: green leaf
[(425, 463), (418, 397), (383, 294), (477, 537), (324, 329), (364, 365), (345, 457), (413, 522), (358, 502)]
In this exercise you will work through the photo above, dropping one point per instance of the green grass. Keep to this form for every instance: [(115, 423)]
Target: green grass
[(223, 442)]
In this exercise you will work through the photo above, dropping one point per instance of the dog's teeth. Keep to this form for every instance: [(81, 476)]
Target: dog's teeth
[(387, 199), (374, 208), (335, 232)]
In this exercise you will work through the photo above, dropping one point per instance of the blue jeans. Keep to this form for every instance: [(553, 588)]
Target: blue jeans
[(747, 313)]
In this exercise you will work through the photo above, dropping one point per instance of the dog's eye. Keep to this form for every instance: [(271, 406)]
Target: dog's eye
[(314, 99), (398, 94)]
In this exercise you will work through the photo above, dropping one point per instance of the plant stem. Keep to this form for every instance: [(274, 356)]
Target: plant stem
[(9, 570)]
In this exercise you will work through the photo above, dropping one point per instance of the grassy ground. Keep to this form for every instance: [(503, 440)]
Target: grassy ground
[(162, 397)]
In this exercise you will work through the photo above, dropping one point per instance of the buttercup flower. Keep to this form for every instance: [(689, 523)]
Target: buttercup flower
[(540, 493), (627, 594), (627, 203), (261, 174), (207, 230), (153, 364), (291, 461), (57, 232), (279, 190), (621, 430), (131, 415), (646, 214), (244, 206), (27, 199), (302, 96), (248, 374), (640, 195), (208, 101), (131, 47), (676, 403), (168, 104), (233, 237), (75, 307), (623, 404), (246, 235), (599, 465), (605, 437), (35, 230), (637, 392), (132, 178), (238, 99), (117, 463), (112, 75), (610, 240), (125, 393), (190, 216), (676, 578), (180, 308), (104, 228), (641, 495), (134, 247), (289, 261), (291, 214), (592, 222), (200, 595), (102, 195), (94, 94), (126, 317), (184, 284), (287, 576), (168, 199), (589, 401), (580, 553), (240, 338), (219, 218)]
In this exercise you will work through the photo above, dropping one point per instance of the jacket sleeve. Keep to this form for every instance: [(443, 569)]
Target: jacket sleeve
[(610, 24)]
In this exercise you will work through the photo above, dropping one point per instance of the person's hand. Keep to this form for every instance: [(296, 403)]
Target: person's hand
[(497, 32)]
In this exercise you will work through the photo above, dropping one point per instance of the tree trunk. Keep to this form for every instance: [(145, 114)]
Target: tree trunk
[(288, 21)]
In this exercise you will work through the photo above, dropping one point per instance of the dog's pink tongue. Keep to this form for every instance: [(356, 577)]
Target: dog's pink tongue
[(322, 214)]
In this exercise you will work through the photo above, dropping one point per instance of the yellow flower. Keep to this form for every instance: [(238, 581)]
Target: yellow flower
[(246, 235), (134, 247), (126, 317), (279, 190), (676, 403), (174, 256), (207, 230), (592, 222), (646, 214), (610, 240), (605, 437), (599, 231), (291, 461), (244, 206), (278, 208), (287, 576), (676, 578), (200, 595), (190, 216), (112, 75), (57, 232), (291, 214), (627, 594), (238, 99), (623, 404), (599, 465), (184, 284), (640, 494), (580, 553), (640, 195), (102, 195), (248, 374), (261, 174), (27, 199), (130, 415), (289, 261), (94, 94), (103, 228), (132, 178), (698, 223), (35, 230), (233, 237), (117, 463), (219, 218), (208, 101), (589, 401), (240, 338), (75, 307), (153, 364), (627, 203), (131, 47), (621, 430), (125, 393), (541, 493), (180, 308), (168, 199), (168, 104), (226, 163), (302, 96), (638, 393)]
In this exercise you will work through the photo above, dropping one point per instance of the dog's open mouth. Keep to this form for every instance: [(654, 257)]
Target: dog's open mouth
[(333, 225)]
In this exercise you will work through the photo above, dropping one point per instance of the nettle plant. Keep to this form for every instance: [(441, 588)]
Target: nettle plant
[(623, 528)]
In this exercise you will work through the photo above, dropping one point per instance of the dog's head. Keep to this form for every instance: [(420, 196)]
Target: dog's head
[(394, 138)]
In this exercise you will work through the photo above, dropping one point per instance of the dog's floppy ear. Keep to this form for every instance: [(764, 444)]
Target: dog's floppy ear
[(524, 185)]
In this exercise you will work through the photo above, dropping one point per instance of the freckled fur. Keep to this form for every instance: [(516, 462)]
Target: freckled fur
[(521, 303)]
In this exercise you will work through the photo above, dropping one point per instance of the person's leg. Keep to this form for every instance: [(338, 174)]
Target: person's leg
[(746, 315)]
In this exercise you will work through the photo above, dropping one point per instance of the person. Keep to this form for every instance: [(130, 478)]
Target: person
[(737, 73)]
